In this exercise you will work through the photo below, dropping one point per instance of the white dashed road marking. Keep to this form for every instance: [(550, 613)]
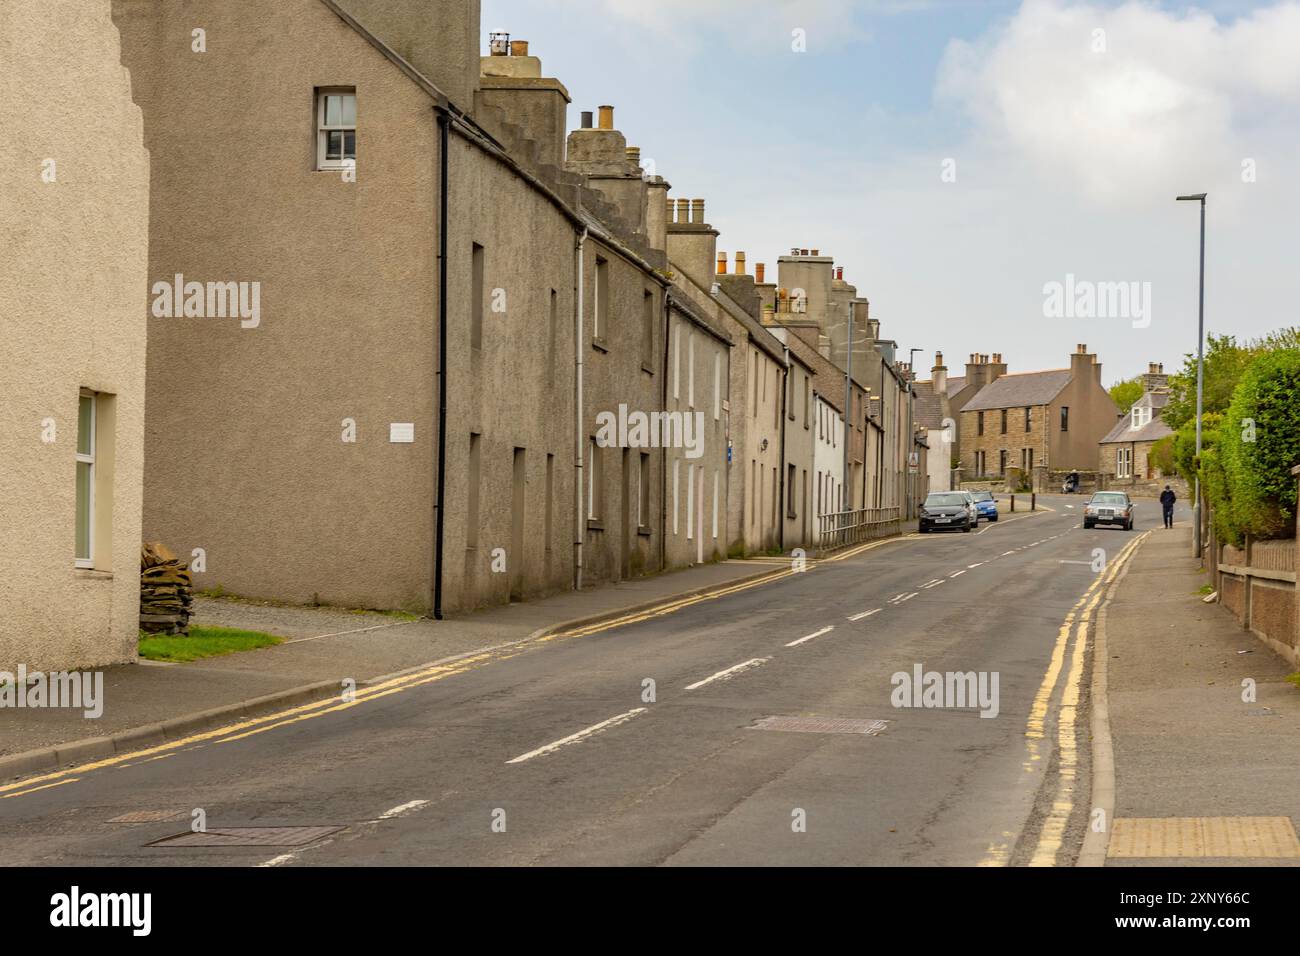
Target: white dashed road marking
[(580, 735), (858, 617), (730, 672), (797, 642)]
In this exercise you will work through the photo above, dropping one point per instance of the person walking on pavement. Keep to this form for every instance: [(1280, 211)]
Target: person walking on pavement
[(1167, 499)]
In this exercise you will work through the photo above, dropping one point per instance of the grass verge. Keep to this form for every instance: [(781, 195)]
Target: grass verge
[(202, 642)]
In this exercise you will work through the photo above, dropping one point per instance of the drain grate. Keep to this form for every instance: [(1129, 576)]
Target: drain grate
[(149, 816), (249, 836), (822, 725)]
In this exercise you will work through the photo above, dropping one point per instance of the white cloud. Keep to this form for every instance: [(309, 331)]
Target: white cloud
[(827, 24), (1163, 106)]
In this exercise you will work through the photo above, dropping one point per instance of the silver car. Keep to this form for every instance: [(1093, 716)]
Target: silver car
[(1109, 507)]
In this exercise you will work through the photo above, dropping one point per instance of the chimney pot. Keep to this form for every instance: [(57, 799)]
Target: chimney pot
[(938, 359), (633, 154), (606, 117), (816, 251), (803, 252), (518, 47), (697, 211), (586, 119), (722, 263), (759, 268), (740, 264), (498, 42)]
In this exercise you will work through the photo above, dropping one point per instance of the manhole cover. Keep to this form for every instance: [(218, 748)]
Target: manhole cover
[(149, 816), (822, 725), (249, 836)]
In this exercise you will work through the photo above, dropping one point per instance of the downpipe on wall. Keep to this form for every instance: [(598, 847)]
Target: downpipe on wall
[(579, 449), (444, 129)]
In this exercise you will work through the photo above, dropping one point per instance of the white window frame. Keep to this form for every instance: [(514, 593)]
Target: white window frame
[(89, 560), (717, 386), (690, 502), (592, 455), (1124, 463), (690, 368), (715, 503), (677, 358), (322, 130), (677, 465)]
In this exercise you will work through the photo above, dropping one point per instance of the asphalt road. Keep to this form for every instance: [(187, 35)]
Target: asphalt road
[(488, 762)]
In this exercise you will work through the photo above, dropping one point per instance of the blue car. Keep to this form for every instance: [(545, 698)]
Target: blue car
[(985, 506)]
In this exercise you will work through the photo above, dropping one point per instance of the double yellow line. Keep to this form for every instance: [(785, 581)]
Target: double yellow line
[(1035, 728), (243, 729), (1078, 620)]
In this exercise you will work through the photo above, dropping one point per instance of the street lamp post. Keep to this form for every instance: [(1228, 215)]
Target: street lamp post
[(1200, 377)]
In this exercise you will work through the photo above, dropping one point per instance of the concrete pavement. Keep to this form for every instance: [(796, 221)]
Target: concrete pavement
[(1206, 731)]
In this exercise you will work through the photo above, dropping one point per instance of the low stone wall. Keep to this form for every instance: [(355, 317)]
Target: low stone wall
[(1146, 487), (1257, 584)]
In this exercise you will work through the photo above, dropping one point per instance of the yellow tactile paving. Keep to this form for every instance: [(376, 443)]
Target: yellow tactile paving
[(1174, 837)]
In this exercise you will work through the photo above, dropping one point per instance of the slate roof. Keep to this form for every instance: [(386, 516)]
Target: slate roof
[(955, 385), (1153, 430), (928, 406), (1019, 390)]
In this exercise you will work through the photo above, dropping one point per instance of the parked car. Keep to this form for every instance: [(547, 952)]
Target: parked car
[(1109, 507), (986, 506), (947, 510)]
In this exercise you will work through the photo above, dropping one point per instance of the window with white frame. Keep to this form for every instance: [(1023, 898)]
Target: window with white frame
[(1124, 463), (336, 128), (85, 480), (717, 385), (690, 368), (594, 482), (1141, 416)]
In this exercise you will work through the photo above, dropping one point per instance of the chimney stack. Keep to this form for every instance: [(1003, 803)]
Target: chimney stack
[(1155, 380), (939, 375)]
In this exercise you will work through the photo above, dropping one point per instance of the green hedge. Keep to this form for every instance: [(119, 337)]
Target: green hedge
[(1258, 444)]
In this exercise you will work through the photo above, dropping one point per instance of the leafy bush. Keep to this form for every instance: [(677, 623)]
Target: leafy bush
[(1184, 442), (1258, 445), (1125, 393), (1161, 455)]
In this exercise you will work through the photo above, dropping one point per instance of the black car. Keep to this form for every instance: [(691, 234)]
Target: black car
[(947, 510)]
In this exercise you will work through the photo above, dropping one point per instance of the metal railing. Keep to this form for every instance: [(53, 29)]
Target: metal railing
[(839, 529)]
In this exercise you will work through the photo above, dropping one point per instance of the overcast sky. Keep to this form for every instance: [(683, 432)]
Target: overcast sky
[(1066, 130)]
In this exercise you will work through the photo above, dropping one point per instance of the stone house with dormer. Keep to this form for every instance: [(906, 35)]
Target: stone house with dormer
[(1125, 451)]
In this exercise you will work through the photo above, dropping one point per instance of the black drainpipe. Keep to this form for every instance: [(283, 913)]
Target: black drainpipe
[(444, 125)]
